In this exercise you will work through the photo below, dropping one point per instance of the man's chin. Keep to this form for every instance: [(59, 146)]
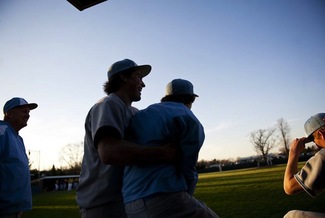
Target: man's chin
[(137, 99)]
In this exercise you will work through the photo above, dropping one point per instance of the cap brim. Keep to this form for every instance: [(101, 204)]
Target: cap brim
[(32, 106), (144, 69), (309, 139)]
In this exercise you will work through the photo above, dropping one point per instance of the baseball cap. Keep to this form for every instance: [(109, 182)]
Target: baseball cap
[(313, 123), (127, 64), (16, 102), (180, 87)]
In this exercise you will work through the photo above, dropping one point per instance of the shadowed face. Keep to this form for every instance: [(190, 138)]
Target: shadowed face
[(135, 85), (18, 117)]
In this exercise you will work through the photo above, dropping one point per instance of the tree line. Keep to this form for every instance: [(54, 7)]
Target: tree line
[(262, 140)]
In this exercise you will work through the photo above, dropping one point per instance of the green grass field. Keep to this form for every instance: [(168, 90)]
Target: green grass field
[(251, 193)]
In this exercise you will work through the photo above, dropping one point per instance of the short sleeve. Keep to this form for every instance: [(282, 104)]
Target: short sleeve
[(312, 176), (110, 113)]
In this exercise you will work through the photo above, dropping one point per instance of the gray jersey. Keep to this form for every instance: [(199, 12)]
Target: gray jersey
[(312, 176), (99, 183)]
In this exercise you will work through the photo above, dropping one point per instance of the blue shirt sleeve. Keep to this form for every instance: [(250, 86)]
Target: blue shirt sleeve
[(191, 140)]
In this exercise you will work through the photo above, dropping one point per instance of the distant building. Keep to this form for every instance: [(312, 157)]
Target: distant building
[(243, 160), (54, 183)]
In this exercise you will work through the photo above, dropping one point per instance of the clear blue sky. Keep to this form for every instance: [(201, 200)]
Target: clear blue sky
[(251, 62)]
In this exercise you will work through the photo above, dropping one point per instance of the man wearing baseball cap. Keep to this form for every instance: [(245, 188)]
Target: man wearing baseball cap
[(165, 190), (311, 178), (105, 152), (15, 184)]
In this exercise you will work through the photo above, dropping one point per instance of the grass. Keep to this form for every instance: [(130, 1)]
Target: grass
[(56, 204), (252, 193), (256, 193)]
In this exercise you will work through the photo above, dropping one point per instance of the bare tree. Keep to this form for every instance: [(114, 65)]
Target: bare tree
[(263, 141), (71, 155), (284, 130)]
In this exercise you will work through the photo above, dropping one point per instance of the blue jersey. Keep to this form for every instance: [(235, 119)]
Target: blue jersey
[(156, 125), (15, 185)]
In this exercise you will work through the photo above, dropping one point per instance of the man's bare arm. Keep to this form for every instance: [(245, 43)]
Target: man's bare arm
[(118, 151), (290, 184)]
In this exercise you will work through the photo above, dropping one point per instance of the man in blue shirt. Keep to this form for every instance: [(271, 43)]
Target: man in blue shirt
[(161, 190), (99, 193), (15, 186)]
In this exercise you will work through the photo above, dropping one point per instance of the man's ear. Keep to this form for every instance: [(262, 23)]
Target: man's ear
[(321, 133), (124, 77), (8, 114)]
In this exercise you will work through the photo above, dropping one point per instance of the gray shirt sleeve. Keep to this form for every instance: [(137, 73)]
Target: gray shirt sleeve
[(312, 176)]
